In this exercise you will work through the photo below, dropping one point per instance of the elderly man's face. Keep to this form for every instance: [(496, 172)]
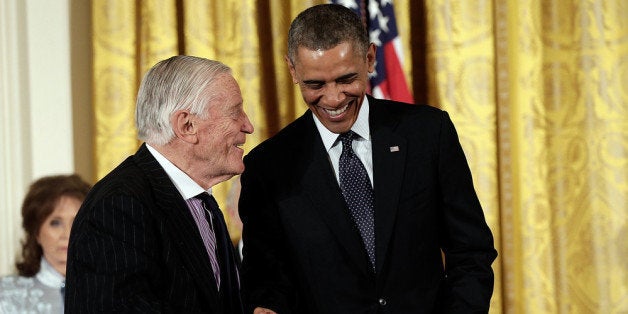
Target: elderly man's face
[(223, 133)]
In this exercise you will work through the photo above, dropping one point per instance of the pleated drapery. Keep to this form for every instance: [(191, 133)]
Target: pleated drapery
[(538, 91)]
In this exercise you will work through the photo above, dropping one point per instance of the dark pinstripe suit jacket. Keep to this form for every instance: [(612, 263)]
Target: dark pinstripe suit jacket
[(134, 247)]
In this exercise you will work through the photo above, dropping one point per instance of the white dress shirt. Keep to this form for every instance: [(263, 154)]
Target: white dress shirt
[(361, 145)]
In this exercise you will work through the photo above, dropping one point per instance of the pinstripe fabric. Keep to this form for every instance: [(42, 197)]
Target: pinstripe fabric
[(225, 254), (207, 233), (135, 247)]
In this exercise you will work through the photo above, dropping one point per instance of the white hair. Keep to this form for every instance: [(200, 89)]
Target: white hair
[(177, 83)]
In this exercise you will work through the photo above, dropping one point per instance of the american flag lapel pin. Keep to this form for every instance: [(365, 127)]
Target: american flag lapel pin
[(394, 149)]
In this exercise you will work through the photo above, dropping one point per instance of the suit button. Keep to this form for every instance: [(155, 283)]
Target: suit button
[(382, 302)]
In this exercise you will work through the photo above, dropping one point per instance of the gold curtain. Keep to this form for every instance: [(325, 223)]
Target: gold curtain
[(538, 91), (539, 94), (131, 36)]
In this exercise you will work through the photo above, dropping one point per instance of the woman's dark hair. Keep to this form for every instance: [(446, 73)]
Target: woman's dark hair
[(39, 203)]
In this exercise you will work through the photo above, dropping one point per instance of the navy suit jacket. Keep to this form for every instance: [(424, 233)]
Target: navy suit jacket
[(134, 247), (303, 253)]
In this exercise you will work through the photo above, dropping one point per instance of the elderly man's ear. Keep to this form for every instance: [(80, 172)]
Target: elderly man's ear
[(184, 126)]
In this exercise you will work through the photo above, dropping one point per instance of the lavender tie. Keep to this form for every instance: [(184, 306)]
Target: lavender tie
[(225, 253)]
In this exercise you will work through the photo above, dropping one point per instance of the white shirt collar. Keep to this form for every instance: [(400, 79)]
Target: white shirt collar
[(187, 187), (361, 126), (48, 275)]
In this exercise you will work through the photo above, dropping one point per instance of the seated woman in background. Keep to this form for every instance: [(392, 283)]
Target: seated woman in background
[(48, 211)]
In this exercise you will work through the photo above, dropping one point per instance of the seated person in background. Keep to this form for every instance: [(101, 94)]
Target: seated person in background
[(47, 215)]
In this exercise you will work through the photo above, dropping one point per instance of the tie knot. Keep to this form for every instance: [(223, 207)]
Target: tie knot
[(346, 139), (208, 199)]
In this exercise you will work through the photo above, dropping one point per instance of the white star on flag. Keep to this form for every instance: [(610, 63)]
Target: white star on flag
[(388, 80)]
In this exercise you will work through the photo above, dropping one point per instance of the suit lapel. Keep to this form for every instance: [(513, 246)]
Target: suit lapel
[(389, 154), (179, 224)]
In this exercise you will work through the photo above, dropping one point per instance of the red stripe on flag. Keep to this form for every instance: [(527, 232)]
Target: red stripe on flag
[(395, 85)]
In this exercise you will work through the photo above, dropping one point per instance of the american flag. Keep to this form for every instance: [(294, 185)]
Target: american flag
[(388, 80)]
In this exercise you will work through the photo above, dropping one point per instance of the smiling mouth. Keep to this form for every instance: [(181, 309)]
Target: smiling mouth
[(336, 112)]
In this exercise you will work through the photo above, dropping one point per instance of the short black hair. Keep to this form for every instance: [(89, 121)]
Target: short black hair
[(325, 26)]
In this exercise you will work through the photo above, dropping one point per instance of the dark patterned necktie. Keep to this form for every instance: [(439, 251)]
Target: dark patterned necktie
[(229, 278), (358, 193)]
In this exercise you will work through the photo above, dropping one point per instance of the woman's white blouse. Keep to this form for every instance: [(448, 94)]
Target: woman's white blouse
[(39, 294)]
